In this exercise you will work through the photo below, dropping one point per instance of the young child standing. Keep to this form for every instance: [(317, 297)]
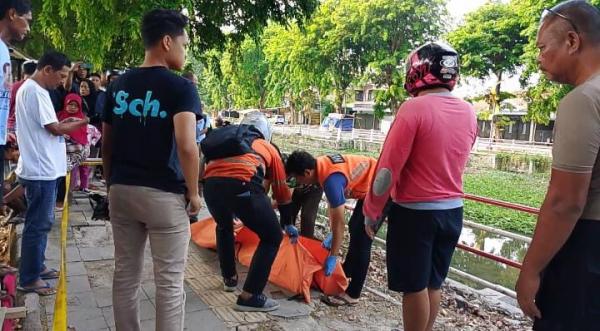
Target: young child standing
[(78, 147)]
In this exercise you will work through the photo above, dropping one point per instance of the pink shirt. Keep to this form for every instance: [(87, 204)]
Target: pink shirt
[(424, 154)]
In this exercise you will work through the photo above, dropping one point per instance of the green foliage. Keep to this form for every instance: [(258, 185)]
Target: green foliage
[(512, 187), (490, 43), (390, 30), (543, 96), (106, 32)]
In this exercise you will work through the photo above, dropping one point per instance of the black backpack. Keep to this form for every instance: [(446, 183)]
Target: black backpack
[(228, 141)]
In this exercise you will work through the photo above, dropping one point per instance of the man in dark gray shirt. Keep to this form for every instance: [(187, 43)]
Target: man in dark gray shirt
[(559, 284)]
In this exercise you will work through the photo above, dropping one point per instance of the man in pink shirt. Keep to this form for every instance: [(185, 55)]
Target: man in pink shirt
[(420, 169)]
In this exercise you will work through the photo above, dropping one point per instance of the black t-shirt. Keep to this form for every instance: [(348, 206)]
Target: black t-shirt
[(140, 107)]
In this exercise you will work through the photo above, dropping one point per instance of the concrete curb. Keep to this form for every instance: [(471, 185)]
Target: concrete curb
[(31, 301), (33, 321)]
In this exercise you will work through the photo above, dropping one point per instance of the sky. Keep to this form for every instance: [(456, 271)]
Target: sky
[(458, 8)]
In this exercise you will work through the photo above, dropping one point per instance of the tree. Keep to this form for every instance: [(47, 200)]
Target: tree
[(335, 30), (390, 29), (247, 70), (490, 43), (107, 31), (295, 73), (543, 95)]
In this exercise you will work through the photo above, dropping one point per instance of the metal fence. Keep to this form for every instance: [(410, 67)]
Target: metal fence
[(378, 137)]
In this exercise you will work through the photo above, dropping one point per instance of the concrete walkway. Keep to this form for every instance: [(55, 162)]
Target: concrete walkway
[(90, 265)]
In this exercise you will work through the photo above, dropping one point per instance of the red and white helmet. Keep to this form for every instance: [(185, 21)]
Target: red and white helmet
[(432, 65)]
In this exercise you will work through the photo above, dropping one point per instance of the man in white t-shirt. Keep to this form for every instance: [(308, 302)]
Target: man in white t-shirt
[(15, 16), (42, 161)]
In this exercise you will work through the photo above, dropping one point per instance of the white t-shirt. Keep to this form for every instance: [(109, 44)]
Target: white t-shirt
[(5, 86), (43, 155)]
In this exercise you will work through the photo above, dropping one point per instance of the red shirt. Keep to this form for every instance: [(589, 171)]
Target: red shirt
[(12, 119), (425, 153)]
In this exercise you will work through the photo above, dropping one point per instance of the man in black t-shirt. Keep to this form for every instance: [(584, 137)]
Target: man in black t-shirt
[(151, 165)]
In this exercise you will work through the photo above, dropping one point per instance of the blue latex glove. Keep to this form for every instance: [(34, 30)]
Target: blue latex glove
[(329, 265), (291, 231), (327, 242)]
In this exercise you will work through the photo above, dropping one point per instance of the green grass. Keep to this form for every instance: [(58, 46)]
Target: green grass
[(512, 187)]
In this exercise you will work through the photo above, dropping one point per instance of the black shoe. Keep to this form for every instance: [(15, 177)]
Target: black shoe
[(257, 302), (230, 284)]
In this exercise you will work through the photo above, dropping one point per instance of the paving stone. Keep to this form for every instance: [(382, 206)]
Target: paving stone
[(291, 309), (94, 236), (203, 320), (149, 325), (78, 284), (109, 316), (218, 298), (103, 296), (193, 303), (97, 253), (76, 269), (149, 289), (87, 323), (80, 301), (233, 318), (73, 254), (147, 310)]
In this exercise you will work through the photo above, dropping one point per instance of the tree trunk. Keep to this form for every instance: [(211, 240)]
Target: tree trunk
[(495, 104)]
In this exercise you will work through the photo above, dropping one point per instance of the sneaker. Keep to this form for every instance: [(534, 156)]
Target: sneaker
[(257, 303), (230, 284)]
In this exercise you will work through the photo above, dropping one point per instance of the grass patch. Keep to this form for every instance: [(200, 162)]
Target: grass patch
[(512, 187)]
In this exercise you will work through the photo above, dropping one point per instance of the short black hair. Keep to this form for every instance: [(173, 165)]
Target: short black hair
[(583, 15), (54, 59), (162, 22), (22, 7), (188, 75), (298, 162), (95, 74), (29, 67)]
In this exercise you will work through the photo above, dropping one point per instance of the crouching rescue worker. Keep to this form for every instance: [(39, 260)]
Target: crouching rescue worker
[(341, 177), (420, 168), (242, 164)]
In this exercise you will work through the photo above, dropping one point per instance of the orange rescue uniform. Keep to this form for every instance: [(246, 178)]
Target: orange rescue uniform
[(358, 170), (266, 163)]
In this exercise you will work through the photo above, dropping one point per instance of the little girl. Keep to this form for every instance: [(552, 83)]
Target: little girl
[(78, 147)]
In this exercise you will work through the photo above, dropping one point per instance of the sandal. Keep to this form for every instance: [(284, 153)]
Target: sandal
[(337, 301), (43, 291), (50, 274)]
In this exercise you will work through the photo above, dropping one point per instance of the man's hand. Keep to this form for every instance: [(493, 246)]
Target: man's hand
[(329, 265), (76, 66), (195, 204), (292, 232), (370, 227), (527, 287)]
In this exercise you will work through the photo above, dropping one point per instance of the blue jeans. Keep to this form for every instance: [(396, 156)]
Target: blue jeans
[(41, 199)]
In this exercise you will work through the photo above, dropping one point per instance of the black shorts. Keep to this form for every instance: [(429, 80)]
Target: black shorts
[(569, 295), (420, 244)]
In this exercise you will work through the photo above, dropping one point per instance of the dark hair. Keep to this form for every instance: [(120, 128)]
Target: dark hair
[(298, 162), (95, 74), (188, 75), (54, 59), (29, 67), (583, 15), (162, 22), (22, 7), (89, 82)]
